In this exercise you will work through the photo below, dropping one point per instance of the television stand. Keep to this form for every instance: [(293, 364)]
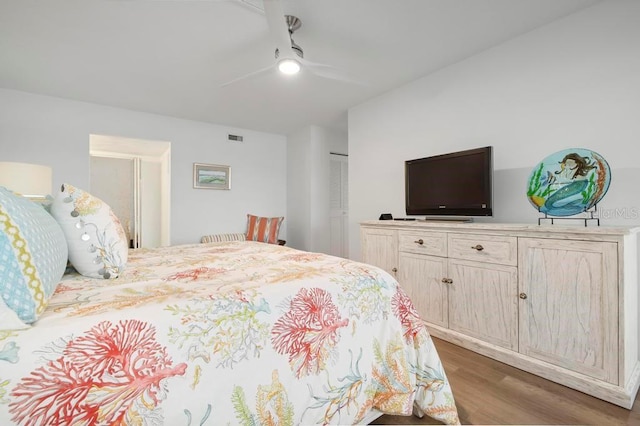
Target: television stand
[(504, 291), (447, 219)]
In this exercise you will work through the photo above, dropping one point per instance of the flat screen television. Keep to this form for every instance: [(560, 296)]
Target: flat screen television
[(453, 184)]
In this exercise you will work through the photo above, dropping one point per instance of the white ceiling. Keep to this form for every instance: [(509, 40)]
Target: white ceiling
[(171, 57)]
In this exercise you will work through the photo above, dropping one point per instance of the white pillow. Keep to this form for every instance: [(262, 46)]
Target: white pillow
[(97, 243)]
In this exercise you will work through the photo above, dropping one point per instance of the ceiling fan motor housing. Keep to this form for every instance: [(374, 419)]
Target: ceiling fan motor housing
[(297, 49), (293, 24)]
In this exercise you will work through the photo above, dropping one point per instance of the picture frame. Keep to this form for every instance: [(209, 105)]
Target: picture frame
[(211, 176)]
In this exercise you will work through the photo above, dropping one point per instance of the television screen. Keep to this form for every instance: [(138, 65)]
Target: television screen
[(458, 184)]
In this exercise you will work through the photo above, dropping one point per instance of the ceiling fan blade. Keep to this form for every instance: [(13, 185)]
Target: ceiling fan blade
[(278, 28), (251, 75), (281, 28), (329, 72)]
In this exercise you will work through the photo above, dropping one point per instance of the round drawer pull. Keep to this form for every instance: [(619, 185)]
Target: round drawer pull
[(420, 241), (477, 247), (394, 270), (523, 296)]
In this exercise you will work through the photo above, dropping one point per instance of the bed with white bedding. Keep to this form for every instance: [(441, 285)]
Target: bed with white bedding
[(224, 333)]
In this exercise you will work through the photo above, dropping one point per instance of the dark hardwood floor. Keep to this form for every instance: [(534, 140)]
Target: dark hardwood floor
[(488, 392)]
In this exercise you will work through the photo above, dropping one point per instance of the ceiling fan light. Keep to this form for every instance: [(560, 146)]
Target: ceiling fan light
[(289, 66)]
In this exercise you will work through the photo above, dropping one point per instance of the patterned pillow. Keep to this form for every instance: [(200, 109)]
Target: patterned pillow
[(97, 243), (263, 229), (9, 320), (33, 256)]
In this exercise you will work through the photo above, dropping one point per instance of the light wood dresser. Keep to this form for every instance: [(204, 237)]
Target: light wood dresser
[(558, 301)]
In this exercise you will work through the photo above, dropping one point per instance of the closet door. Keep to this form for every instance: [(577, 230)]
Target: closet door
[(150, 204), (339, 194), (112, 180), (132, 188)]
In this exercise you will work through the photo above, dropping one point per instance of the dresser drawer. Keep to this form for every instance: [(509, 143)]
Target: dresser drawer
[(484, 248), (421, 242)]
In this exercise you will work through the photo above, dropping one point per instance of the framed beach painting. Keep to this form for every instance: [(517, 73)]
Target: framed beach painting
[(211, 176)]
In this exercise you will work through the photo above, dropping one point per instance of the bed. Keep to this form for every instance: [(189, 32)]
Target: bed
[(224, 333)]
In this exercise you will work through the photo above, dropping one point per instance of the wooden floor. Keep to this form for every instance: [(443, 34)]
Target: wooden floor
[(488, 392)]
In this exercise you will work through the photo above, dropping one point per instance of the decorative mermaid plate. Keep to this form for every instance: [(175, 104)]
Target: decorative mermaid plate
[(568, 182)]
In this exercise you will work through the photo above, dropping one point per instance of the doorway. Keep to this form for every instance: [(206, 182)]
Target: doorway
[(133, 177)]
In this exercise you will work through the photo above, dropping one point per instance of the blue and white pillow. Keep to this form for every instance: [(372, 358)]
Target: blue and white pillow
[(98, 246), (33, 256)]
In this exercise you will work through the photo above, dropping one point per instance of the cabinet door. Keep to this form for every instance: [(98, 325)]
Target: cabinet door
[(569, 304), (483, 301), (421, 278), (380, 248)]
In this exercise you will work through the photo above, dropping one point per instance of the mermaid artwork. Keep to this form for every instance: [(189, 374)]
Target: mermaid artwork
[(569, 186)]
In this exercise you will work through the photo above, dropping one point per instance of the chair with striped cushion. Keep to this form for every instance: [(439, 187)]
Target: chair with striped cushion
[(264, 229), (221, 238)]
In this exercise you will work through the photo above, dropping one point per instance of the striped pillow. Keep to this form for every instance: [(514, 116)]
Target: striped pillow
[(263, 229)]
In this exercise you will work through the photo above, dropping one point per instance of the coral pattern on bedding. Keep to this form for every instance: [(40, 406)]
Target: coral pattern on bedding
[(224, 333)]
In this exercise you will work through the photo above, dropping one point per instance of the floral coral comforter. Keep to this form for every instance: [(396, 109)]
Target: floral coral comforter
[(224, 333)]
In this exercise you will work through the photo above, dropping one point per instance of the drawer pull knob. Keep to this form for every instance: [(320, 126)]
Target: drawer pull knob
[(447, 280), (394, 270), (477, 247), (523, 296), (420, 241)]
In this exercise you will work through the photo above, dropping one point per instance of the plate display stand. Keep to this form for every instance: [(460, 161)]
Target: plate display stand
[(587, 218)]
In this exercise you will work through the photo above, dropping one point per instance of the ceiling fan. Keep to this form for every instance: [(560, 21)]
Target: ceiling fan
[(289, 56)]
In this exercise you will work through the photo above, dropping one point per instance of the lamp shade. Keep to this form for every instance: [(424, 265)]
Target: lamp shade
[(29, 180)]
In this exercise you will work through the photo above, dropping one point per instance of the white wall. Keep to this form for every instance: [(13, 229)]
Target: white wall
[(298, 219), (55, 132), (573, 83), (308, 180)]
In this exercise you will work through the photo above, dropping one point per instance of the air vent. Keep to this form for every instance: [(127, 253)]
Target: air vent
[(235, 138)]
